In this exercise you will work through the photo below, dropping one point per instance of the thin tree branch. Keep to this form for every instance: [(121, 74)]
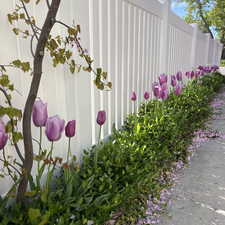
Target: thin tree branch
[(37, 73), (9, 65), (12, 167), (78, 46), (48, 4), (28, 17), (5, 160), (31, 45), (12, 124), (204, 19)]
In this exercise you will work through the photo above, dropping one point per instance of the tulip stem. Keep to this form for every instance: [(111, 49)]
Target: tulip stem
[(40, 148), (69, 151), (39, 153), (49, 174), (96, 150), (99, 136), (145, 106)]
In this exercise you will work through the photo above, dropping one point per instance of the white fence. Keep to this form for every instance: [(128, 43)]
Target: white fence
[(134, 40)]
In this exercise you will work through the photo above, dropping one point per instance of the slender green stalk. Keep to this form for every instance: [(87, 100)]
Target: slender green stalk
[(38, 177), (96, 150), (99, 136), (69, 151), (49, 173), (40, 147), (145, 106)]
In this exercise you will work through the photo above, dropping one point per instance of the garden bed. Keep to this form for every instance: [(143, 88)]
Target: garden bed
[(134, 163)]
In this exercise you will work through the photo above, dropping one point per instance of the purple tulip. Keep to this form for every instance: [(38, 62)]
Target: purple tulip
[(202, 73), (133, 96), (207, 69), (54, 128), (162, 79), (164, 86), (101, 118), (146, 95), (164, 94), (173, 80), (70, 128), (200, 67), (40, 113), (156, 89), (179, 76), (214, 68), (197, 73), (3, 139), (192, 74), (188, 74), (178, 90)]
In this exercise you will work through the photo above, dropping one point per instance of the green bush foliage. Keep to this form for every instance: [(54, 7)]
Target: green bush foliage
[(222, 63), (129, 164)]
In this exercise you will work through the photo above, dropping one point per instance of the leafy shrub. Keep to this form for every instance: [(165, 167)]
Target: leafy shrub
[(129, 164), (222, 63)]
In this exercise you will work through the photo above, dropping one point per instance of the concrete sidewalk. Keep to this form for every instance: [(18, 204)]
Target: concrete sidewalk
[(199, 195)]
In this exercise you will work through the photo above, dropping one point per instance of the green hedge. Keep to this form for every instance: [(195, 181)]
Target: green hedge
[(222, 63), (129, 164)]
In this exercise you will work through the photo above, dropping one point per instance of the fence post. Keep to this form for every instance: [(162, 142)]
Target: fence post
[(214, 52), (207, 49), (164, 37), (194, 45), (221, 51)]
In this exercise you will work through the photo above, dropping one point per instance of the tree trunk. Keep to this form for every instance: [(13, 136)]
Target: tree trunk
[(37, 73), (223, 52)]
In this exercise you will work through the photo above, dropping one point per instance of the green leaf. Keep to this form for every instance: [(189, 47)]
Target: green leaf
[(33, 214)]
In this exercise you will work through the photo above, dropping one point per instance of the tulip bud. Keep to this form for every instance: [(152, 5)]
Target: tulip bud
[(179, 76), (178, 90), (70, 128), (164, 86), (173, 80), (39, 113), (3, 139), (54, 128), (192, 74), (133, 96), (156, 89), (146, 95), (101, 118), (197, 74), (188, 75), (164, 94), (202, 73), (162, 78)]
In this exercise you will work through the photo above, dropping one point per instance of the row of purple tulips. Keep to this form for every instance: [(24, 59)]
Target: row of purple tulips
[(161, 88), (54, 126)]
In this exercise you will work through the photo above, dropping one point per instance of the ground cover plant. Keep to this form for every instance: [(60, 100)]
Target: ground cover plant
[(115, 179)]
